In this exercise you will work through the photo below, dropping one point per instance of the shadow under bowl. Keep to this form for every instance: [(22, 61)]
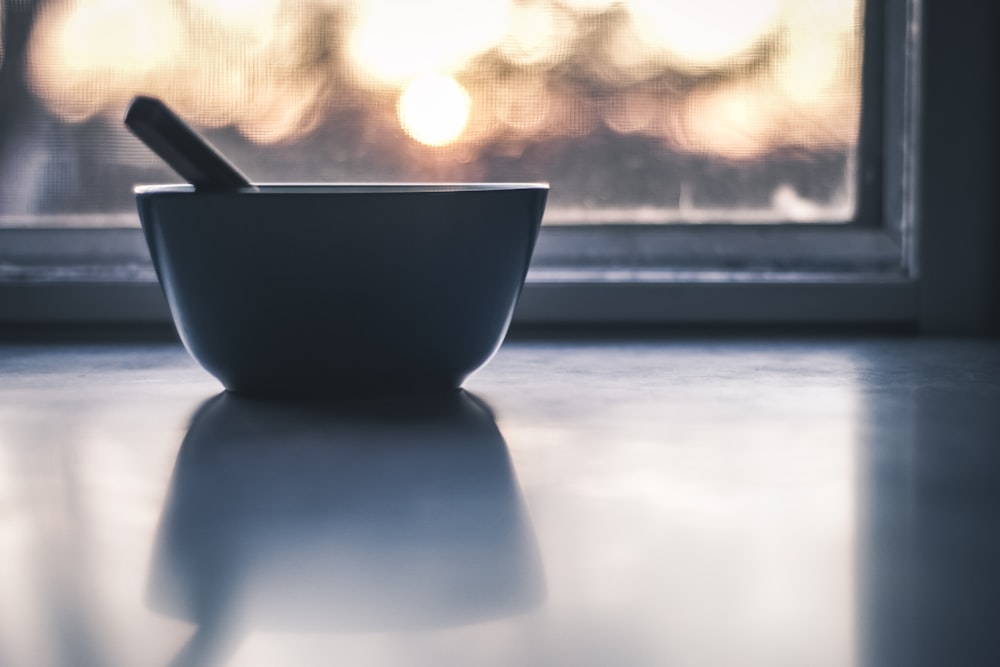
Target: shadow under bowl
[(305, 290)]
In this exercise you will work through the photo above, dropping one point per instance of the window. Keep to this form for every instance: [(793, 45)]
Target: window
[(735, 145)]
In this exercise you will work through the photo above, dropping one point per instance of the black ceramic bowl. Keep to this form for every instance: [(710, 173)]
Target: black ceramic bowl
[(342, 289)]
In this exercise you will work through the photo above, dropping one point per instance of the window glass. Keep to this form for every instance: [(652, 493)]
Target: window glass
[(646, 111)]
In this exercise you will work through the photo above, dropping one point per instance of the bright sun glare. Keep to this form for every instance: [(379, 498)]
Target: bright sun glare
[(434, 109)]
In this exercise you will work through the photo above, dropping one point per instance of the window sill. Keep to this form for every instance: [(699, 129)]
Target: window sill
[(640, 298)]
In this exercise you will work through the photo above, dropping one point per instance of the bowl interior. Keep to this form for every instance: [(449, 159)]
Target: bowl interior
[(347, 188)]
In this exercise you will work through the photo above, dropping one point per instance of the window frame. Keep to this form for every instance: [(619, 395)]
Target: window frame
[(655, 291)]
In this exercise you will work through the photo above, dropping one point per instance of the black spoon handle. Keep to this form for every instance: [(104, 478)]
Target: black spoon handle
[(197, 161)]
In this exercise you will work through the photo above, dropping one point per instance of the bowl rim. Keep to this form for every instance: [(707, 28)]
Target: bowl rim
[(343, 188)]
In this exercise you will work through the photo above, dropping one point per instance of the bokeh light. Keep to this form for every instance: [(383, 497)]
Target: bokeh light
[(674, 70), (393, 41), (484, 89), (434, 109), (704, 34), (538, 35)]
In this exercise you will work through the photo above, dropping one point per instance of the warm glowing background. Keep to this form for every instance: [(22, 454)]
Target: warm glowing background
[(631, 108)]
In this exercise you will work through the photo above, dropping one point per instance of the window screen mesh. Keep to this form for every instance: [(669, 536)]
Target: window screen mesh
[(634, 110)]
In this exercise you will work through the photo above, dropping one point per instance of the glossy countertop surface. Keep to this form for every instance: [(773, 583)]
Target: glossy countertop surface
[(709, 503)]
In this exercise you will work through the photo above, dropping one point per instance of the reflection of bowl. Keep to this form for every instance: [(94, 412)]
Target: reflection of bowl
[(342, 289), (379, 514)]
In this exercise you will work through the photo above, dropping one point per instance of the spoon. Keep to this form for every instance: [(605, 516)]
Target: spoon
[(186, 151)]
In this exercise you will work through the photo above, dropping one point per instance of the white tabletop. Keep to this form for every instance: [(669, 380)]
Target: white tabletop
[(708, 503)]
